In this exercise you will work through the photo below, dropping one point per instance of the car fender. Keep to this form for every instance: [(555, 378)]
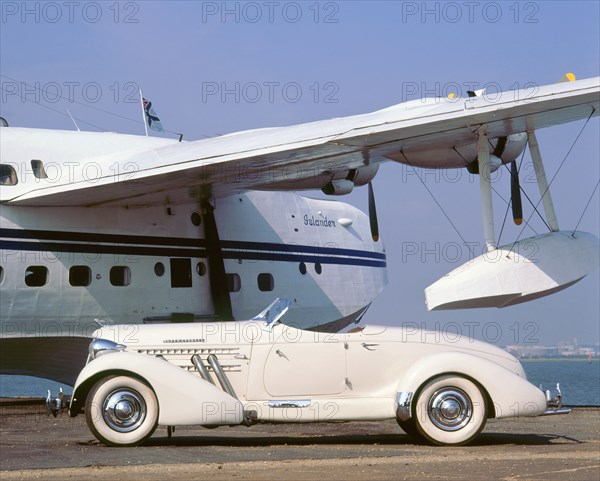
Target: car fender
[(183, 398), (510, 394)]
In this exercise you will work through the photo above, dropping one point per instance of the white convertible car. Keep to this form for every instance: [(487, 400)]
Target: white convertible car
[(263, 371)]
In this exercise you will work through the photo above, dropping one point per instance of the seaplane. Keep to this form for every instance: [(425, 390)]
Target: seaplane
[(100, 229)]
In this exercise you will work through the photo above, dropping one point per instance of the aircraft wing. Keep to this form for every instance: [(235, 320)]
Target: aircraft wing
[(142, 170)]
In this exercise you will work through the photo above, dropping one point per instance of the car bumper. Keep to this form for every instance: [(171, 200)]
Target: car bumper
[(554, 402)]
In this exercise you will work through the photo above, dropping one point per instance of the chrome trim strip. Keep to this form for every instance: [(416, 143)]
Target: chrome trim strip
[(549, 412), (288, 403)]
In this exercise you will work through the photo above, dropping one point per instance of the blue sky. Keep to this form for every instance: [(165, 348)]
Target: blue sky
[(212, 68)]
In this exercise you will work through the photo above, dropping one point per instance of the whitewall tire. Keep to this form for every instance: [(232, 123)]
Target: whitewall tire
[(450, 410), (121, 411)]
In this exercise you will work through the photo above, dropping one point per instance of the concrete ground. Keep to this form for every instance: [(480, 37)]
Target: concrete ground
[(34, 445)]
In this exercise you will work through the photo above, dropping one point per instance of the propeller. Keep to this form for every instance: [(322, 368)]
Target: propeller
[(515, 188), (373, 214), (373, 223), (515, 194)]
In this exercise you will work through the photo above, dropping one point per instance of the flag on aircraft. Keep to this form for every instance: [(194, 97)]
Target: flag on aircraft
[(151, 117)]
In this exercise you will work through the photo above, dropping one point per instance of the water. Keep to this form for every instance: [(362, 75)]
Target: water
[(579, 381), (27, 386)]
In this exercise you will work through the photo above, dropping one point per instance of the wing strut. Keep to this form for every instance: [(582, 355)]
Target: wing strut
[(540, 174), (485, 187), (216, 265)]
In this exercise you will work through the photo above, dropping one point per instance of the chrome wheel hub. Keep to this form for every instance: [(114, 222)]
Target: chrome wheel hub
[(124, 410), (450, 409)]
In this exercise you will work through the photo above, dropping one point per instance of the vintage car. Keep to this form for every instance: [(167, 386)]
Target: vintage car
[(440, 390)]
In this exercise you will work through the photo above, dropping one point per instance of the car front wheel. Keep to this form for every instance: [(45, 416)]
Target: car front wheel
[(121, 411), (450, 410)]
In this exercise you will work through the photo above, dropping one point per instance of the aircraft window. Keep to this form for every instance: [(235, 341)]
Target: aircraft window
[(201, 268), (196, 219), (181, 273), (234, 282), (159, 269), (36, 276), (120, 276), (318, 268), (1, 274), (302, 268), (8, 175), (266, 283), (80, 276), (38, 169)]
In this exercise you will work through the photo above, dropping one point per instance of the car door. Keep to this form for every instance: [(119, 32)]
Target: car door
[(305, 363)]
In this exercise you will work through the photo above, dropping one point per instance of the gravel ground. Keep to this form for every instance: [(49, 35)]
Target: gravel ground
[(34, 445)]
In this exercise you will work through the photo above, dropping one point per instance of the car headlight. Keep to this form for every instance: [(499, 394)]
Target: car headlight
[(102, 346)]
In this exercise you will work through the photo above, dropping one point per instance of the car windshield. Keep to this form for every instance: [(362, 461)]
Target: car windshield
[(274, 312)]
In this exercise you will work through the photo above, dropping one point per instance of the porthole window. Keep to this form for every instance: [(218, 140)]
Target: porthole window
[(201, 269), (318, 268), (36, 276), (8, 175), (120, 276), (302, 268), (196, 219), (234, 283), (266, 283), (80, 276), (159, 269), (38, 169)]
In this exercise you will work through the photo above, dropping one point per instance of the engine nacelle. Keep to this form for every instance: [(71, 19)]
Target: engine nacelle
[(343, 182), (365, 174), (515, 145), (495, 163), (463, 155), (338, 187)]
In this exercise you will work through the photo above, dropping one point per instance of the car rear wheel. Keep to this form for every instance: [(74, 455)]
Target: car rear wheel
[(450, 410), (121, 411)]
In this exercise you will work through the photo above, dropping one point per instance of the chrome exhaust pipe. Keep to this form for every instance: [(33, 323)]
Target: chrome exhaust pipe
[(225, 384), (197, 361)]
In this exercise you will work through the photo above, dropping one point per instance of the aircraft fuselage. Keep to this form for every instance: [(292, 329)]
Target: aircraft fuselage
[(67, 269)]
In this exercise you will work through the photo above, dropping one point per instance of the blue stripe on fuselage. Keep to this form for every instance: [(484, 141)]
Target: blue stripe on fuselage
[(182, 247)]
